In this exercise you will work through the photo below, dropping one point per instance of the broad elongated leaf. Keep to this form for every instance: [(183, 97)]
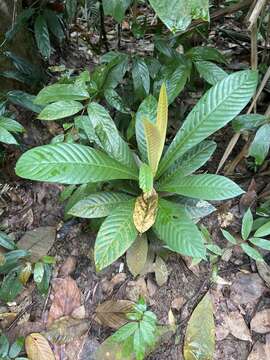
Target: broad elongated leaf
[(179, 233), (248, 122), (141, 78), (60, 110), (203, 53), (214, 110), (116, 235), (146, 178), (108, 137), (70, 164), (23, 99), (137, 255), (71, 9), (177, 14), (38, 348), (261, 144), (195, 209), (147, 111), (156, 132), (42, 36), (113, 313), (191, 161), (145, 211), (247, 224), (210, 71), (10, 124), (60, 92), (54, 24), (251, 252), (206, 187), (98, 205), (6, 242), (6, 137), (20, 21), (200, 340), (263, 230), (262, 243), (116, 8)]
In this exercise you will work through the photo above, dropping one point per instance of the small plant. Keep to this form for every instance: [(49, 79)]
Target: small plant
[(9, 352), (8, 127), (151, 197), (249, 239), (260, 126), (139, 335), (17, 269)]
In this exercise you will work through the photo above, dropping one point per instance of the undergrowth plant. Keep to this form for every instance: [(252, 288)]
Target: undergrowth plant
[(150, 198), (11, 351)]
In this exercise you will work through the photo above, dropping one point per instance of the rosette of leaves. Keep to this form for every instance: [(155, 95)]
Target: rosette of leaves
[(153, 181)]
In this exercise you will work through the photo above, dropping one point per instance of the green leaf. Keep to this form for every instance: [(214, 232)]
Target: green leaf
[(20, 21), (10, 287), (16, 347), (139, 345), (79, 194), (248, 122), (12, 259), (108, 137), (42, 36), (200, 340), (23, 99), (247, 224), (215, 249), (4, 345), (85, 128), (262, 243), (177, 14), (115, 71), (6, 137), (191, 161), (253, 253), (259, 147), (116, 8), (71, 9), (54, 24), (203, 53), (116, 235), (38, 272), (229, 237), (205, 186), (146, 178), (141, 78), (264, 230), (210, 72), (6, 242), (195, 209), (70, 164), (98, 205), (10, 124), (124, 332), (174, 227), (214, 110), (115, 101), (60, 110), (57, 92), (147, 111), (43, 286)]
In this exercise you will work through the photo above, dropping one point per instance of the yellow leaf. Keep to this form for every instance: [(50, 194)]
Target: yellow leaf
[(25, 273), (145, 211), (38, 348), (156, 133)]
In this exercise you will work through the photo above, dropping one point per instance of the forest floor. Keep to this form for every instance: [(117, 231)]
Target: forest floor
[(241, 291)]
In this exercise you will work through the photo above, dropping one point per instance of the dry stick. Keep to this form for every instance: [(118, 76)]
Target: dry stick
[(252, 20)]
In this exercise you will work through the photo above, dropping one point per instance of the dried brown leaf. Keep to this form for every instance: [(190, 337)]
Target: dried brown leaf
[(161, 271), (112, 313), (145, 211), (137, 254), (261, 322), (66, 329), (237, 326), (260, 352), (68, 267), (38, 241), (38, 348), (66, 298), (264, 271)]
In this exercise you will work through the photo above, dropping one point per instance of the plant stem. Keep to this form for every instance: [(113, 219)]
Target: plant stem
[(103, 34)]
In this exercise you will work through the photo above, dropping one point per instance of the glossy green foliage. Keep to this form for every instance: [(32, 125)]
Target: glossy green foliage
[(8, 127), (110, 158)]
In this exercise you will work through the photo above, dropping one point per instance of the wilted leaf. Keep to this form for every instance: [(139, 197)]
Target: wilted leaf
[(145, 211), (113, 313), (261, 322), (237, 326), (161, 271), (66, 329), (38, 241), (25, 273), (137, 254), (38, 348), (260, 351), (200, 340), (67, 298), (264, 271)]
